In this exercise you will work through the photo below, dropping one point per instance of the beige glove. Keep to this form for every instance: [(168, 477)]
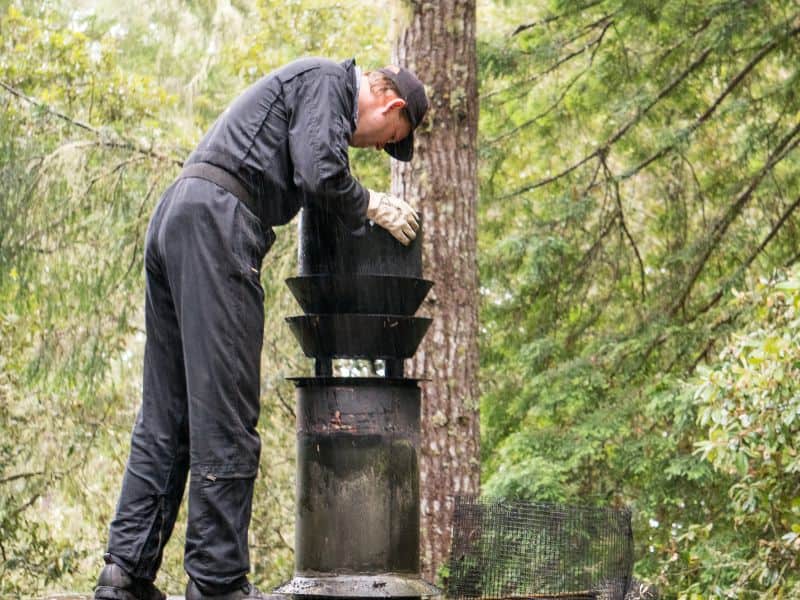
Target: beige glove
[(394, 215)]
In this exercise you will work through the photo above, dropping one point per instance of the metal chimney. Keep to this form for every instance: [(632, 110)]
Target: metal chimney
[(357, 503)]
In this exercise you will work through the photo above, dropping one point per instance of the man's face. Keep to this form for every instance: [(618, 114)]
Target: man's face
[(381, 124)]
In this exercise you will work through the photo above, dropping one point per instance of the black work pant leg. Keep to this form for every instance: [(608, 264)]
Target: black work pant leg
[(155, 476), (213, 248)]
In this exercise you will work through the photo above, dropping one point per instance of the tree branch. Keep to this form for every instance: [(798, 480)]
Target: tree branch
[(732, 85), (553, 18), (561, 61), (16, 246), (746, 264), (137, 238), (20, 476), (288, 409), (623, 129), (605, 21), (102, 136), (615, 183), (784, 147), (603, 229), (709, 345), (541, 115), (283, 541), (604, 147), (23, 507)]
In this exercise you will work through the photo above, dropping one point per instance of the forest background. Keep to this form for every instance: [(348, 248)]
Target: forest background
[(637, 247)]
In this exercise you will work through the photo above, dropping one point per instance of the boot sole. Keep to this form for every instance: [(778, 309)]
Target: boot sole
[(107, 592)]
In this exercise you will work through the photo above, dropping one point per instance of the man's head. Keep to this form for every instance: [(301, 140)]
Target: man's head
[(391, 103)]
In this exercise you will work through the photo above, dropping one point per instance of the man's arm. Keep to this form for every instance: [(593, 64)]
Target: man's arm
[(318, 143)]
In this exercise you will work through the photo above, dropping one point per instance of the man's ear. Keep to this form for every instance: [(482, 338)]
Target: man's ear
[(393, 104)]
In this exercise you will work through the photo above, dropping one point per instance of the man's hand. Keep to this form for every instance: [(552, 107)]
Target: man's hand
[(394, 215)]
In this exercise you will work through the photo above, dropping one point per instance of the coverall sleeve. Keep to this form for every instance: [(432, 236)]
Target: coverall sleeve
[(318, 143)]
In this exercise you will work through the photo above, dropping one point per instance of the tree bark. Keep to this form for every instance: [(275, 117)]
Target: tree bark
[(438, 44)]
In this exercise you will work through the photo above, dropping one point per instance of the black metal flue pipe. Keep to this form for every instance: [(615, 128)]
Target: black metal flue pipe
[(357, 456), (357, 512)]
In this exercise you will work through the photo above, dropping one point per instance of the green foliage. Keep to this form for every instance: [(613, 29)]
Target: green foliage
[(638, 161), (732, 506), (75, 197), (638, 164), (748, 406), (101, 103)]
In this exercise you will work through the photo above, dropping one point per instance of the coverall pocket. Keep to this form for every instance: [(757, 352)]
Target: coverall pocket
[(252, 241), (221, 512)]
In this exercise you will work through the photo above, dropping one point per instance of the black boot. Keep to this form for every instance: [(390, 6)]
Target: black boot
[(247, 592), (116, 584)]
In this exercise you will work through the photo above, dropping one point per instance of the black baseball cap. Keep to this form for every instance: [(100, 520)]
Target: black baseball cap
[(413, 92)]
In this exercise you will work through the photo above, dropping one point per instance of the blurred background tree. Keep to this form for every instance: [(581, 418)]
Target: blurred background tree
[(638, 165), (439, 44), (637, 250), (102, 103)]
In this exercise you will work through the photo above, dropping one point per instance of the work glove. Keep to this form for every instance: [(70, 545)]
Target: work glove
[(394, 215)]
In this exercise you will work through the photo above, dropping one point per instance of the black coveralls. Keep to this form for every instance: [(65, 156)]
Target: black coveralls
[(286, 140)]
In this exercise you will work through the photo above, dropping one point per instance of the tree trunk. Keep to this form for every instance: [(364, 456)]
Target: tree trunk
[(439, 46)]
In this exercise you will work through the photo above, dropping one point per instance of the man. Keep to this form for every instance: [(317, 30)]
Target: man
[(281, 145)]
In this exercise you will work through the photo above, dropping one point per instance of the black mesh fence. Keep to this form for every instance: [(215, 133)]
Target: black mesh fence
[(504, 550)]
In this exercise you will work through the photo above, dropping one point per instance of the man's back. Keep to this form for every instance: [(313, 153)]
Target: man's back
[(286, 138)]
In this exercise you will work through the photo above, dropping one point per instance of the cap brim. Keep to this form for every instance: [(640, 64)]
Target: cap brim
[(402, 150)]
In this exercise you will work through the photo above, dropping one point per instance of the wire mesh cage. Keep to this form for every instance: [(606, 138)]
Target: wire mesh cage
[(508, 550)]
